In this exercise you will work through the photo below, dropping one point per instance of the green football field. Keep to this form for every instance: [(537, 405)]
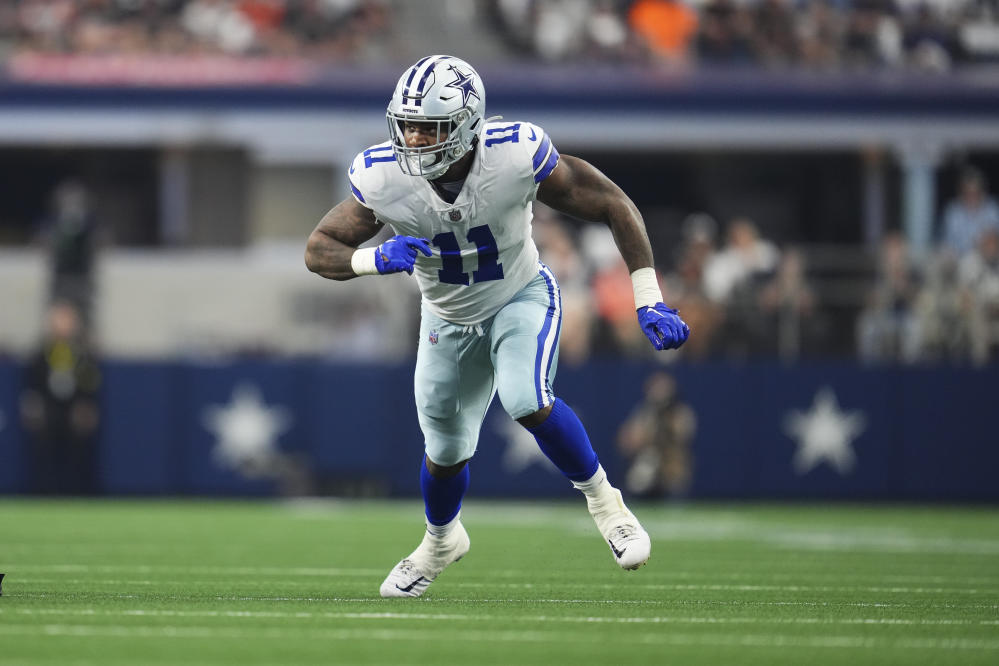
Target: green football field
[(203, 582)]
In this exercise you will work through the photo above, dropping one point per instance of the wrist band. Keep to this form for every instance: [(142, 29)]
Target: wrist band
[(646, 288), (363, 261)]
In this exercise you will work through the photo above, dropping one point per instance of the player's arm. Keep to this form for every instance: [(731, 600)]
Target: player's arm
[(332, 250), (335, 239), (577, 188)]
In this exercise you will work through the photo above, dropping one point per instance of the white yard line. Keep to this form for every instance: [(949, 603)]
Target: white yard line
[(342, 572), (678, 587), (683, 587), (519, 636), (332, 615), (200, 570), (751, 603)]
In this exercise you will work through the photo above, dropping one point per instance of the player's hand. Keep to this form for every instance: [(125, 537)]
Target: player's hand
[(398, 254), (663, 326)]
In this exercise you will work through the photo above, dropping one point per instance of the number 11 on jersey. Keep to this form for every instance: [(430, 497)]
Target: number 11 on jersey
[(488, 253)]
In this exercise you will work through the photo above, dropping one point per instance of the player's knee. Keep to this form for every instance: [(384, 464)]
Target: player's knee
[(519, 400), (535, 418), (444, 471)]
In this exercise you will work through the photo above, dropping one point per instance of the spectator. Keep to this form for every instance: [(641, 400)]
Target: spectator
[(724, 35), (608, 35), (59, 407), (667, 27), (614, 303), (611, 296), (656, 439), (978, 274), (684, 285), (71, 234), (774, 41), (873, 37), (944, 308), (970, 214), (819, 34), (220, 24), (888, 328), (789, 303), (745, 258), (733, 278), (559, 29), (930, 44)]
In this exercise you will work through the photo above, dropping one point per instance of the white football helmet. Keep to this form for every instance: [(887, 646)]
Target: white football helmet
[(438, 89)]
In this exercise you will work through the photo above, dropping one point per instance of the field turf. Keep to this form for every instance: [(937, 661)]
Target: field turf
[(202, 582)]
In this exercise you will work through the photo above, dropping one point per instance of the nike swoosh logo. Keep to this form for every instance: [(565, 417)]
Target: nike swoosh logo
[(533, 136), (409, 588), (617, 553)]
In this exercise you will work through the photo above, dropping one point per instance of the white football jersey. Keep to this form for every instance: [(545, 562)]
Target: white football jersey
[(483, 250)]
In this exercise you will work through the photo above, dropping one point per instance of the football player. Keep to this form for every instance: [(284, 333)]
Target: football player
[(457, 190)]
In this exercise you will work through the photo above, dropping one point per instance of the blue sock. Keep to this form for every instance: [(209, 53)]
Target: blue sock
[(442, 497), (563, 439)]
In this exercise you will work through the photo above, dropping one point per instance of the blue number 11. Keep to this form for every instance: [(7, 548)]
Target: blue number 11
[(485, 243)]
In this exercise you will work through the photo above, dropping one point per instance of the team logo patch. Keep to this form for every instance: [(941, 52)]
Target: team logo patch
[(454, 215), (433, 337)]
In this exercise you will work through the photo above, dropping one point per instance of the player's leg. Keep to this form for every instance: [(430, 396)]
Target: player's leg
[(444, 542), (525, 353), (453, 386)]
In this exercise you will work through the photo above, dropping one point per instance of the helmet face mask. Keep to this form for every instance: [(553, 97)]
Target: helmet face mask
[(440, 90)]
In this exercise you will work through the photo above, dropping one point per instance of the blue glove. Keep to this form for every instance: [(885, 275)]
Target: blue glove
[(663, 326), (398, 254)]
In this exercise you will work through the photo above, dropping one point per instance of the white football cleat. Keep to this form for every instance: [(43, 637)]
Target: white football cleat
[(413, 575), (628, 541)]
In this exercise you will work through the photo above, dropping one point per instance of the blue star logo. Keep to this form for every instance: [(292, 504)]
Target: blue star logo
[(464, 83)]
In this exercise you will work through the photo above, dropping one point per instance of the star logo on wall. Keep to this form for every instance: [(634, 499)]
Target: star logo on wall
[(464, 83), (522, 449), (246, 431), (824, 434)]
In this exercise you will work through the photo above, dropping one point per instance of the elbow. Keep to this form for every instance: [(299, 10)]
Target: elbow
[(312, 255), (322, 259)]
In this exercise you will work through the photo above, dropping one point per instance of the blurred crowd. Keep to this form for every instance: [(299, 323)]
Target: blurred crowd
[(944, 307), (326, 29), (818, 34), (741, 295), (745, 297)]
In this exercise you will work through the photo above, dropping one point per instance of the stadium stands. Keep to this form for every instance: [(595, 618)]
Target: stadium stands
[(824, 124)]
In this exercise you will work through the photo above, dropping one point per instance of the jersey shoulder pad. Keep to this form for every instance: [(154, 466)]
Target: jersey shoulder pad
[(526, 144), (371, 173)]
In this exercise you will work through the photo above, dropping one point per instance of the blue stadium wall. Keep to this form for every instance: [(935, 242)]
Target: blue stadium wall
[(917, 434)]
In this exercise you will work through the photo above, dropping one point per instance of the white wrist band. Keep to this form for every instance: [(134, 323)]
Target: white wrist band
[(363, 261), (646, 288)]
